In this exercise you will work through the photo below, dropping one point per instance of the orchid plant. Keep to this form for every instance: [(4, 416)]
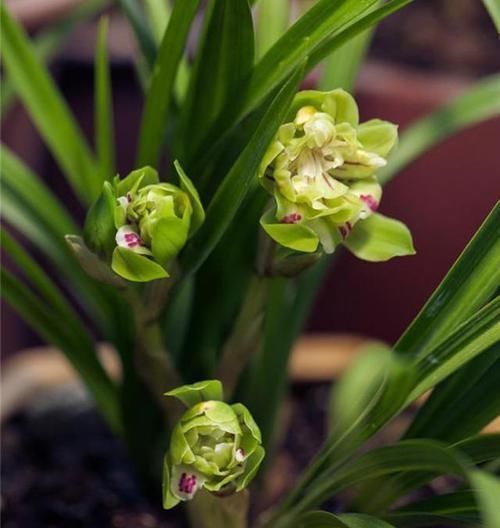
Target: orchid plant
[(199, 265)]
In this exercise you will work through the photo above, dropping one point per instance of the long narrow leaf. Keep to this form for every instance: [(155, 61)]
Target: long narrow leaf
[(471, 281), (79, 352), (143, 33), (481, 101), (224, 60), (273, 17), (103, 106), (458, 507), (49, 41), (471, 338), (241, 177), (470, 392), (48, 109), (159, 96)]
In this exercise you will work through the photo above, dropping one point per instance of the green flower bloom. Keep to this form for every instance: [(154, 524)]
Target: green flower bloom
[(321, 170), (214, 445), (139, 225)]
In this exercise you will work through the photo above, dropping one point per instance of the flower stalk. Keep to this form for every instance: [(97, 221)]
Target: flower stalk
[(246, 337)]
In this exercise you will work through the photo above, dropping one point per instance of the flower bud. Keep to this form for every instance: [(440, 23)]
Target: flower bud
[(321, 170), (214, 445), (138, 225)]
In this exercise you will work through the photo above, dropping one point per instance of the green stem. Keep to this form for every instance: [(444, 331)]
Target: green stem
[(246, 336), (153, 362)]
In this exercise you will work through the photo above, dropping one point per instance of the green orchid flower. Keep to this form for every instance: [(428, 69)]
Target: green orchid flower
[(215, 446), (321, 170), (138, 225)]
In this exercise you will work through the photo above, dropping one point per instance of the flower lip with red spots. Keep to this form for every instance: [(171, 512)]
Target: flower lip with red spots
[(369, 201), (292, 218)]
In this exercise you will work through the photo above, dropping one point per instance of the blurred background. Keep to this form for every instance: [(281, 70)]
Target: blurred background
[(420, 57)]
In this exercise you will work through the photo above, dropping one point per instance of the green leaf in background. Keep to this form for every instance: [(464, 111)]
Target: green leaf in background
[(378, 495), (481, 101), (142, 31), (31, 208), (487, 490), (458, 507), (103, 113), (158, 13), (326, 26), (48, 110), (356, 26), (341, 67), (79, 351), (493, 7), (272, 21), (322, 519), (230, 194), (49, 41), (408, 455), (379, 238), (223, 61), (159, 94)]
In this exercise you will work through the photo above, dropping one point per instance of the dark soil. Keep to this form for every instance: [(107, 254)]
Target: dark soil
[(62, 468), (447, 36)]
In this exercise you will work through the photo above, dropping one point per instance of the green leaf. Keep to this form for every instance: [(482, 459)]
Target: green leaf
[(141, 29), (78, 349), (39, 279), (493, 7), (353, 28), (487, 489), (379, 238), (458, 507), (379, 495), (134, 267), (273, 17), (199, 392), (298, 237), (472, 337), (481, 101), (103, 105), (47, 42), (312, 29), (242, 176), (320, 519), (470, 392), (341, 67), (39, 200), (408, 455), (159, 95), (48, 110), (198, 216), (31, 208), (471, 281), (224, 60), (158, 12)]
